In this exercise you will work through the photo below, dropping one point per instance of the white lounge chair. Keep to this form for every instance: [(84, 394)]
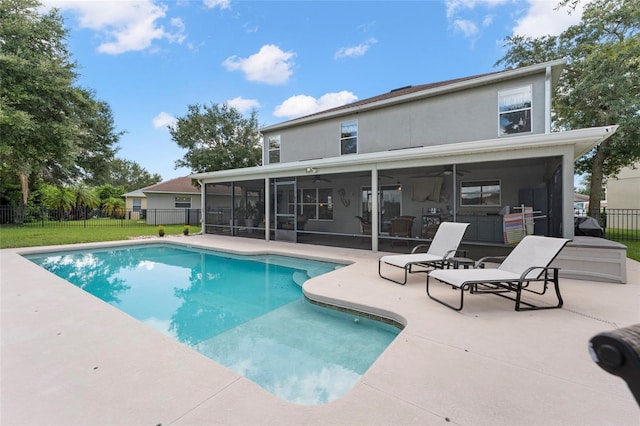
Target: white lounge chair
[(528, 262), (443, 247)]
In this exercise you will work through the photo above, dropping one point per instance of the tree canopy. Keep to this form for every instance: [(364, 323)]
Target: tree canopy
[(600, 85), (126, 174), (51, 128), (217, 137)]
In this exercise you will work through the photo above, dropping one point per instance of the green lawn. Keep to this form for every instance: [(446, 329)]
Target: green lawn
[(633, 249), (34, 235)]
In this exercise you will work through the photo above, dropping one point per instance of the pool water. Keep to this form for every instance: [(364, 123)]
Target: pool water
[(246, 312)]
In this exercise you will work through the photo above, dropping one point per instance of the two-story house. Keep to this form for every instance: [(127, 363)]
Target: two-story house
[(383, 172)]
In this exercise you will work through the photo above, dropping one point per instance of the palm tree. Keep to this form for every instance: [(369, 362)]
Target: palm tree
[(113, 206), (85, 197), (60, 199)]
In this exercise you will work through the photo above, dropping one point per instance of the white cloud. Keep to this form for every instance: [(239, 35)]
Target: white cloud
[(541, 19), (537, 17), (222, 4), (243, 105), (359, 50), (455, 6), (128, 26), (468, 28), (163, 120), (299, 105), (270, 65)]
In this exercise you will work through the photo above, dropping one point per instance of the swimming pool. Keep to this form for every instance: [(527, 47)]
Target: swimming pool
[(246, 312)]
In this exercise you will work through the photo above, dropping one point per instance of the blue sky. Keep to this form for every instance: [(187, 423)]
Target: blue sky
[(150, 59)]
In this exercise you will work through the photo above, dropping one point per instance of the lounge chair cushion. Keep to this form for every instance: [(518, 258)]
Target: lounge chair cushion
[(402, 260), (458, 277)]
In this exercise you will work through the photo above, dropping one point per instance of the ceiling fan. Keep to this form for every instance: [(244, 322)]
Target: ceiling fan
[(317, 179), (446, 171)]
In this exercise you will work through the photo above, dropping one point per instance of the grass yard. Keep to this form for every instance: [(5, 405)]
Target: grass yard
[(633, 249), (31, 236)]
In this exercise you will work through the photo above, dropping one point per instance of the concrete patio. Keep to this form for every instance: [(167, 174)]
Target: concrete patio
[(71, 359)]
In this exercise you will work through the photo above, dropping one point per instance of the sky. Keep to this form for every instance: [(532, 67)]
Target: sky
[(149, 59)]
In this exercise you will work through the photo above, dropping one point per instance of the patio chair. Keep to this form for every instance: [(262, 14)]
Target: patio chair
[(365, 227), (443, 247), (527, 263)]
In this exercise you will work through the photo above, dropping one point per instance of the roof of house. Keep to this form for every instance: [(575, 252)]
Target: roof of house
[(135, 194), (580, 197), (181, 185), (409, 93)]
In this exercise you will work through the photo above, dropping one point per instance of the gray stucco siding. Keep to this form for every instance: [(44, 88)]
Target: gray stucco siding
[(455, 117)]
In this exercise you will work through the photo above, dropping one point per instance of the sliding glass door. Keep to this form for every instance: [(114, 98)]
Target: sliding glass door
[(389, 202)]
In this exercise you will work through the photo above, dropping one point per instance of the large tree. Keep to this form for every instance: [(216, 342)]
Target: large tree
[(50, 127), (217, 137), (600, 85), (127, 174)]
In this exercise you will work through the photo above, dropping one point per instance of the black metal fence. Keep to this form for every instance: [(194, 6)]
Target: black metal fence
[(618, 224), (88, 217)]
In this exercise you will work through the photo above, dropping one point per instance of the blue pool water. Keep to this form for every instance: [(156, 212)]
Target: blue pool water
[(245, 312)]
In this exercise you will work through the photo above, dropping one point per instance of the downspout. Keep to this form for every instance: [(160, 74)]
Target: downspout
[(547, 100)]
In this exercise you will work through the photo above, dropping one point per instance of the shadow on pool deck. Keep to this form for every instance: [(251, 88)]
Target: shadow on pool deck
[(69, 358)]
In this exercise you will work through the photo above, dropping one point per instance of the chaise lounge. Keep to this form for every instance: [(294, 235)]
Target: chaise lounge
[(443, 247), (527, 263)]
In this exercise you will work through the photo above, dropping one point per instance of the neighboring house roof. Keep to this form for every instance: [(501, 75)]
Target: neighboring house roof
[(580, 197), (181, 185), (410, 93), (135, 194)]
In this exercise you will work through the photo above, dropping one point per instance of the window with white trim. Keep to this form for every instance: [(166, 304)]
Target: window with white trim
[(274, 149), (349, 137), (480, 193), (514, 110), (183, 202), (316, 203)]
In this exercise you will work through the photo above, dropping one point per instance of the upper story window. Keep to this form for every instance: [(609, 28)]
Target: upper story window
[(349, 137), (480, 193), (274, 149), (316, 203), (183, 202), (514, 108)]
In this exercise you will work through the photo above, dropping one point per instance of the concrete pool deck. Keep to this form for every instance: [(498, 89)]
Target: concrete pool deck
[(68, 358)]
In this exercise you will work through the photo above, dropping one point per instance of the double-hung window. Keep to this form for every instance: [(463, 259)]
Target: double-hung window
[(514, 110), (274, 149), (137, 204), (316, 203), (349, 137)]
